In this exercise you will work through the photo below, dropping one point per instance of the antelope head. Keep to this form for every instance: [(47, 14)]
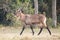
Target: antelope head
[(19, 14)]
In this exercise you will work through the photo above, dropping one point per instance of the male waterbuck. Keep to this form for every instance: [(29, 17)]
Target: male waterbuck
[(29, 19)]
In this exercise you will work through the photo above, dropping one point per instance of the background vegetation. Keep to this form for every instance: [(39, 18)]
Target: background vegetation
[(8, 7)]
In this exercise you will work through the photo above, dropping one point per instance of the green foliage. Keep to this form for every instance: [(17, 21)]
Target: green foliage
[(27, 7), (49, 22), (11, 20), (10, 6)]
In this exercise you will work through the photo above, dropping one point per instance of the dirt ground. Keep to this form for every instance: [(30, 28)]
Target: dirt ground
[(11, 33)]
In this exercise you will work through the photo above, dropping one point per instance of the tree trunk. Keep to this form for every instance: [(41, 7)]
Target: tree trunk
[(54, 16), (36, 6)]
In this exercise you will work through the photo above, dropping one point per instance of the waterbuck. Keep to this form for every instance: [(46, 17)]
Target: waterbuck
[(29, 19)]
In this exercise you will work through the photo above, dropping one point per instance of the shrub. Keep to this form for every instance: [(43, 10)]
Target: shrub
[(11, 20), (49, 22)]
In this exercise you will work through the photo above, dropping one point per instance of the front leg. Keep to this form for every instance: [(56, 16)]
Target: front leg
[(22, 30), (32, 29)]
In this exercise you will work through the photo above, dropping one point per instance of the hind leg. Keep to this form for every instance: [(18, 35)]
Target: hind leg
[(40, 30), (48, 30), (32, 29), (22, 30)]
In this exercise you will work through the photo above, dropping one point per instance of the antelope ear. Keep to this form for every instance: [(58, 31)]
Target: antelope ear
[(22, 10)]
